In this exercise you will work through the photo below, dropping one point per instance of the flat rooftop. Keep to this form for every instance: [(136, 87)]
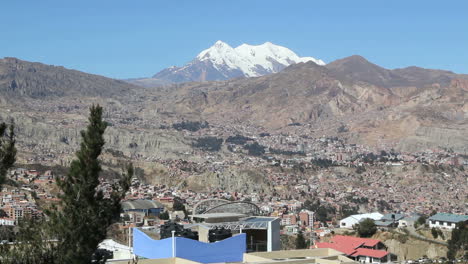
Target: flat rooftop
[(298, 253), (156, 261), (301, 256)]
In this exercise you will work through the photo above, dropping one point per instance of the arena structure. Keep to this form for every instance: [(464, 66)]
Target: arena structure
[(262, 232), (209, 206)]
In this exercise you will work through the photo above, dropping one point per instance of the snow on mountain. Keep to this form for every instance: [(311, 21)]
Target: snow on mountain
[(222, 62), (249, 58), (269, 55)]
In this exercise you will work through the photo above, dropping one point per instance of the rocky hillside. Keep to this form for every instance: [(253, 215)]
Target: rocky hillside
[(22, 78), (50, 105), (411, 109), (410, 248)]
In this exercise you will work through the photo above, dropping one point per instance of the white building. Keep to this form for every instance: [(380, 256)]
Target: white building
[(7, 222), (408, 221), (120, 252), (445, 220), (350, 221)]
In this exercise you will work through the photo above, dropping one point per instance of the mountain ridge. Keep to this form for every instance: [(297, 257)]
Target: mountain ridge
[(223, 62), (38, 80), (411, 108), (428, 107)]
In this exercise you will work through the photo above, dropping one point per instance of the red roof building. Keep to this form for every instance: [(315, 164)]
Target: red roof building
[(360, 249)]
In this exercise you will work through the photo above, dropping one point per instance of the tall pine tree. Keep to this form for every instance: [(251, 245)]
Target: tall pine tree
[(7, 149), (84, 214), (300, 241)]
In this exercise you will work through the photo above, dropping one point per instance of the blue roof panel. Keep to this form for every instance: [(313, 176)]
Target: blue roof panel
[(453, 218)]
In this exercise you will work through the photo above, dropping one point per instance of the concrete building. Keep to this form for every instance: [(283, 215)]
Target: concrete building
[(119, 251), (306, 218), (389, 220), (7, 221), (142, 207), (288, 219), (445, 220), (352, 220), (291, 229), (408, 221), (262, 233), (303, 256), (158, 261), (249, 234)]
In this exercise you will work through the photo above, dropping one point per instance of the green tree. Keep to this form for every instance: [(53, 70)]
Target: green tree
[(164, 215), (300, 241), (178, 205), (421, 221), (32, 246), (86, 213), (434, 232), (366, 228), (7, 149), (459, 240)]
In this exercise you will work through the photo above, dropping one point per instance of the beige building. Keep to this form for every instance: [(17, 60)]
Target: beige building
[(303, 256)]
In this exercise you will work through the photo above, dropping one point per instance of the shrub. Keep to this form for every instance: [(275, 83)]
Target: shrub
[(208, 143)]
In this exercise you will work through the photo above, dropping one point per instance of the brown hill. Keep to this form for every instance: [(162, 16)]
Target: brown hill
[(22, 78), (411, 108), (421, 107)]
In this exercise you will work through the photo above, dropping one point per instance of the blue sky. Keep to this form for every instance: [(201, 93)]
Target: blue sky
[(124, 39)]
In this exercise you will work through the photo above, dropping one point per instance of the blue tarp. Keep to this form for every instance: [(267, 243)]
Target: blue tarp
[(227, 250)]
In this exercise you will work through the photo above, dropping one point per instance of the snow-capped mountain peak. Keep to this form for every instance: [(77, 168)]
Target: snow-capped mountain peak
[(221, 62), (218, 48)]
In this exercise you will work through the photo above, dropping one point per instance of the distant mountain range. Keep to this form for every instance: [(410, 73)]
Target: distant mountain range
[(222, 62), (410, 108)]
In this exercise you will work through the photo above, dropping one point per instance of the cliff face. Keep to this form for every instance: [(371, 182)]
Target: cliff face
[(408, 248), (49, 136), (232, 179)]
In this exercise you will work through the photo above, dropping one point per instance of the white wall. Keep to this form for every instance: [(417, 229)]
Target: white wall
[(273, 235), (348, 222), (438, 224)]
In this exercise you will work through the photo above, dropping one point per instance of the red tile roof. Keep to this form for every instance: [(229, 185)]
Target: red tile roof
[(370, 253), (355, 242), (342, 248), (352, 246)]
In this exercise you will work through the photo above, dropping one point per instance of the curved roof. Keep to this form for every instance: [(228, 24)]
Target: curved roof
[(225, 206), (242, 207), (141, 205)]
